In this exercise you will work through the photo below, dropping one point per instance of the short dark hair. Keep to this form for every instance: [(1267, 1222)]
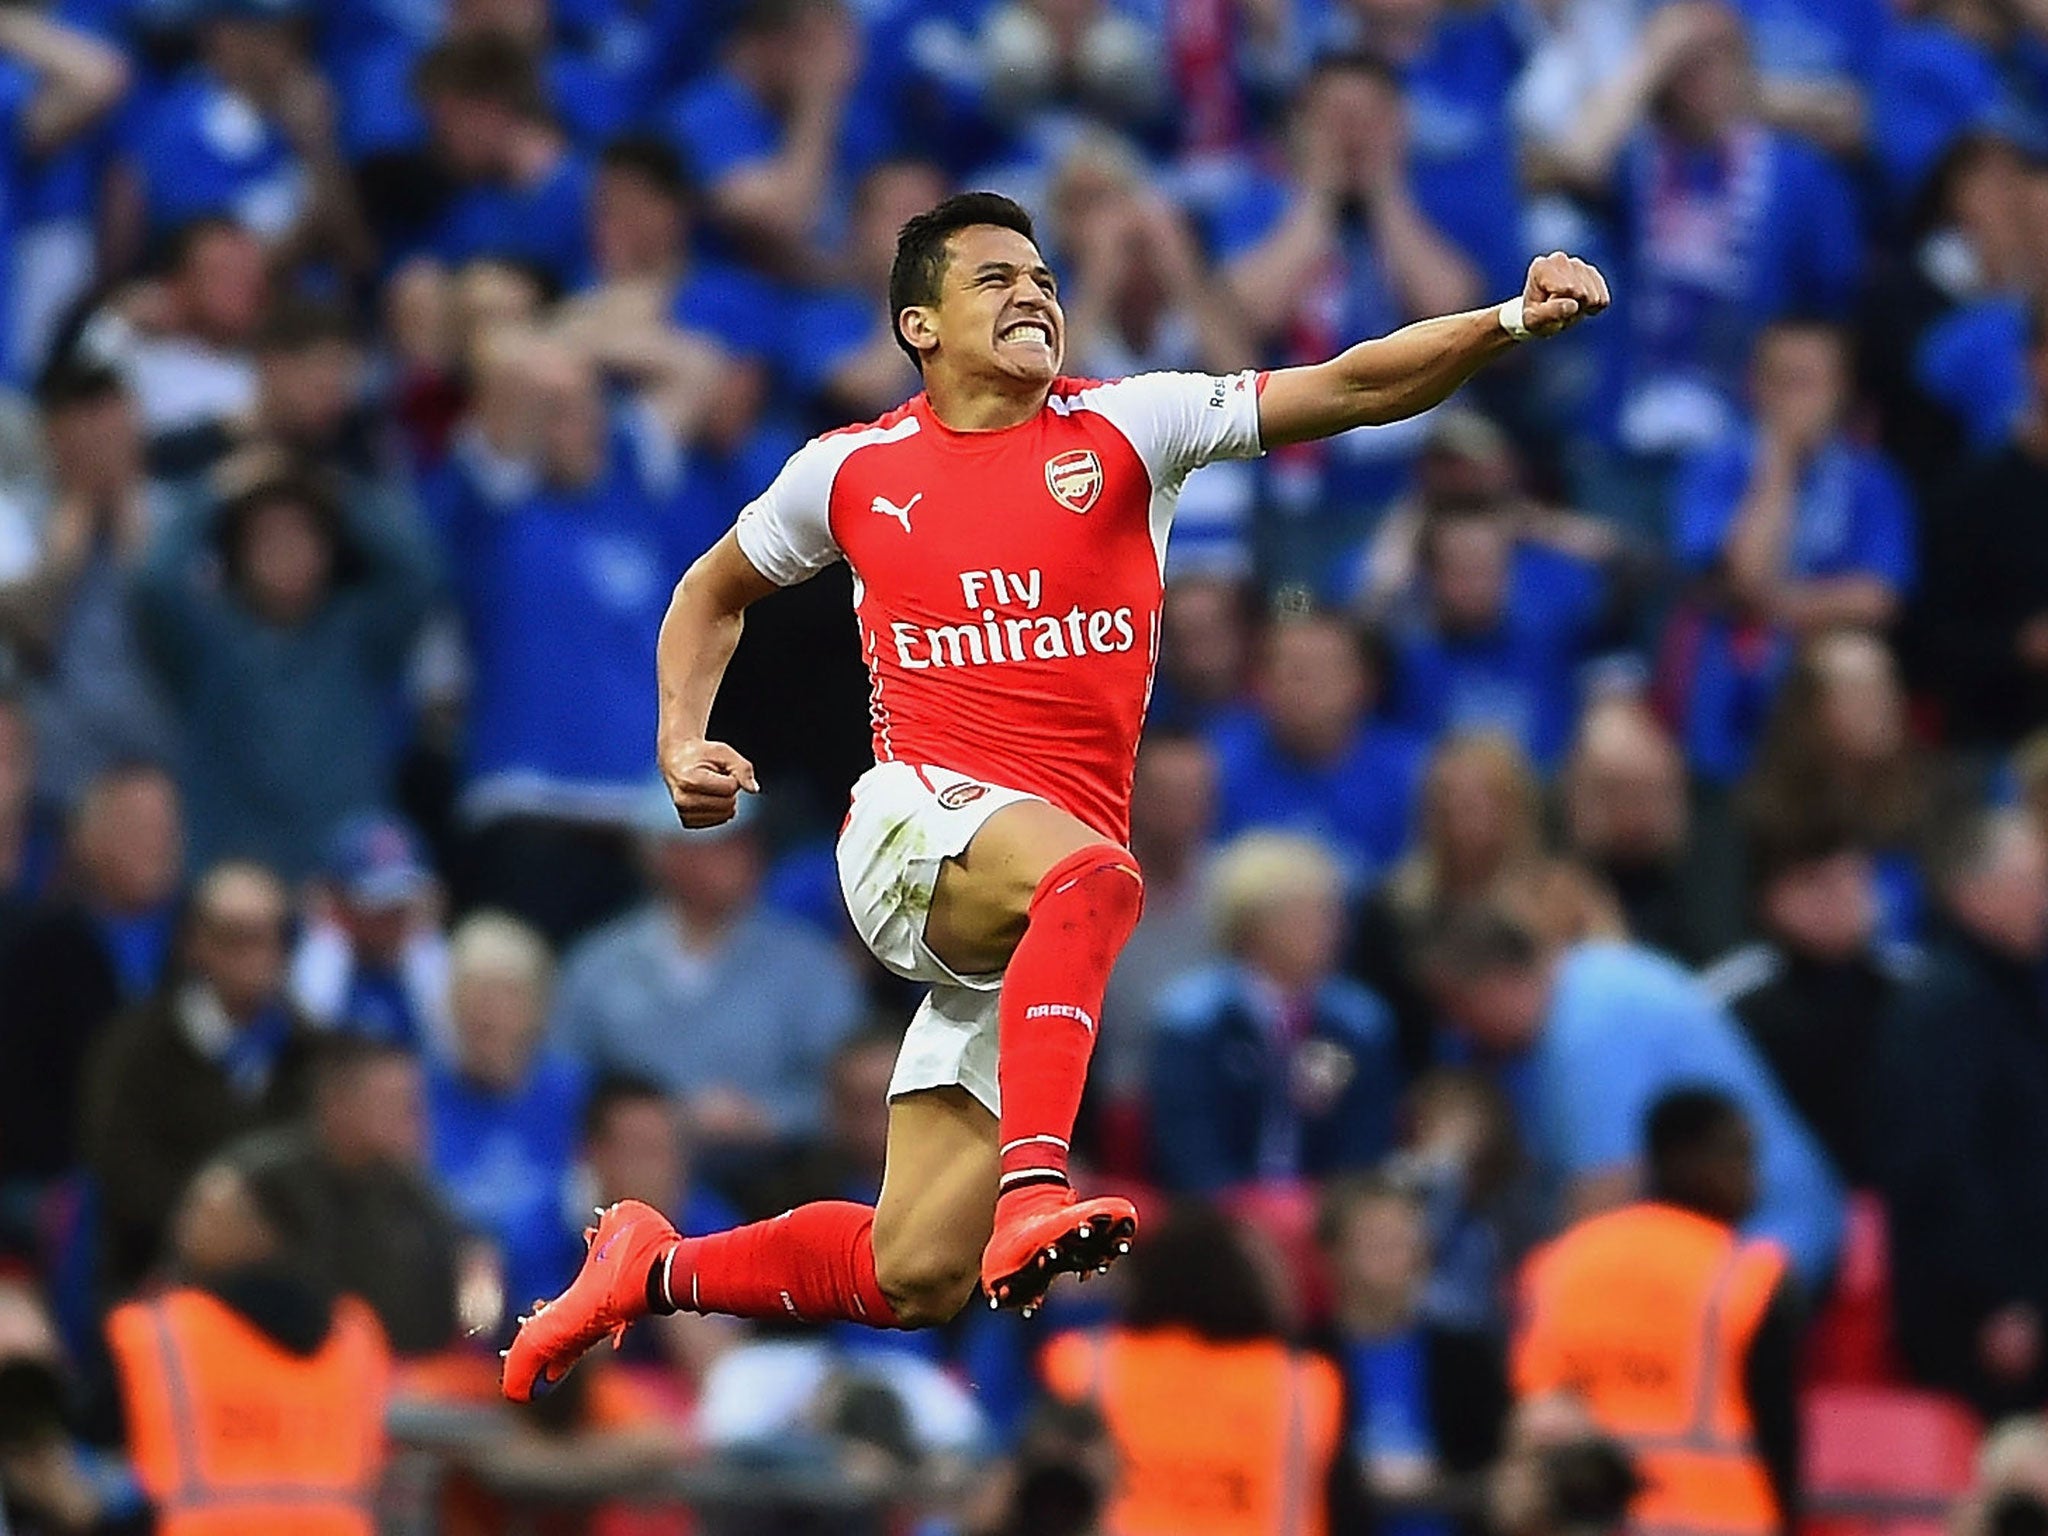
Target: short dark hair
[(1195, 1272), (1963, 843), (340, 1057), (651, 160), (1475, 940), (918, 275), (1351, 61), (1684, 1123), (487, 66), (1780, 844), (73, 381), (613, 1092), (182, 243)]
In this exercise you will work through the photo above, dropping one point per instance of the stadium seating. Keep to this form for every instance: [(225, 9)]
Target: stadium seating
[(1884, 1461)]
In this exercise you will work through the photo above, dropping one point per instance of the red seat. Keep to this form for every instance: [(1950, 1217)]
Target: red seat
[(1884, 1461), (1850, 1342)]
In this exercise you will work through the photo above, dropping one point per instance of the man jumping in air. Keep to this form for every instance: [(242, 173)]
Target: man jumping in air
[(1007, 532)]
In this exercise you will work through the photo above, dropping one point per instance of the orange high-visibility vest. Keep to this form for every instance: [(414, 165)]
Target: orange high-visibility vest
[(233, 1435), (1647, 1313), (1212, 1439)]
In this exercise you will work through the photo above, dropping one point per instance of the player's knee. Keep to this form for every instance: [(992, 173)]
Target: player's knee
[(926, 1287), (1110, 877)]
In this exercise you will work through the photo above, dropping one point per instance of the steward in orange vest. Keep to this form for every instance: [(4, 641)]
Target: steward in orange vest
[(254, 1403), (1677, 1333), (1220, 1428)]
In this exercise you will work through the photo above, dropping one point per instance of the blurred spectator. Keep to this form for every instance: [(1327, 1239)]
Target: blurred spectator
[(1947, 67), (848, 365), (1092, 57), (1480, 823), (1969, 246), (310, 399), (54, 1483), (250, 1385), (1594, 1035), (367, 1218), (1204, 649), (728, 1005), (1790, 531), (1462, 1158), (371, 959), (851, 1150), (1494, 640), (1271, 1066), (503, 1117), (1816, 65), (2010, 1494), (64, 615), (1983, 619), (79, 959), (1559, 1475), (1812, 989), (1219, 1426), (248, 134), (182, 340), (1457, 66), (519, 189), (560, 515), (1311, 759), (1141, 298), (1341, 251), (1173, 806), (1424, 1404), (1724, 226), (652, 290), (1055, 1483), (770, 130), (1962, 1093), (1971, 363), (1682, 1337), (60, 84), (1837, 747), (294, 639), (1626, 817), (216, 1052)]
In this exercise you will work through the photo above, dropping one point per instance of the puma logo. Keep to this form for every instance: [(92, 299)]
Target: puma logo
[(888, 508)]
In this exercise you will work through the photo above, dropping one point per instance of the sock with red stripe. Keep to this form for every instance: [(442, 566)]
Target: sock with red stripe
[(815, 1263), (1081, 914)]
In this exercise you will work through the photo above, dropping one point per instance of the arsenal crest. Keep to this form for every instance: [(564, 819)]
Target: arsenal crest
[(1075, 479)]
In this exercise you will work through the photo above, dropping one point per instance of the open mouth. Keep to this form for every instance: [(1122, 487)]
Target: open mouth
[(1027, 331)]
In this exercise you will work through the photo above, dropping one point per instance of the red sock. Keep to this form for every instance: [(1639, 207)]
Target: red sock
[(1081, 914), (815, 1263)]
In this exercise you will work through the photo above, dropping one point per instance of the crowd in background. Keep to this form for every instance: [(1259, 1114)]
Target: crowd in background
[(1659, 715)]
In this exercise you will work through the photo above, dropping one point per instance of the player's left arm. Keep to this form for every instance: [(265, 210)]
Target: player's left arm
[(1394, 377)]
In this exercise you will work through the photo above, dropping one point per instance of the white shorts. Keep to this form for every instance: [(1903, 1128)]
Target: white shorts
[(905, 823)]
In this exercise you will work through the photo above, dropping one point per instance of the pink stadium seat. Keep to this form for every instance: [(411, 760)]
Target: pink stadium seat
[(1884, 1461)]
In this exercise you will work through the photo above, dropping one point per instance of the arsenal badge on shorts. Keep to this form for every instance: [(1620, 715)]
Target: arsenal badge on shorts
[(953, 796), (1075, 479)]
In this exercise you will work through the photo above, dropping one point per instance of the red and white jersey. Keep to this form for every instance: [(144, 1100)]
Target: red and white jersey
[(1008, 583)]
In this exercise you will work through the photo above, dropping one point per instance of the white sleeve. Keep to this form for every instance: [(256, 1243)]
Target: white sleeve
[(1180, 421), (786, 531)]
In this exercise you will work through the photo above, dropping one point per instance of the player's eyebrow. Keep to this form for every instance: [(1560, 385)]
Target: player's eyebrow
[(1039, 270)]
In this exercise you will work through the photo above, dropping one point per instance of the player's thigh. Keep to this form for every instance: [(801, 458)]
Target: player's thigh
[(938, 1199), (983, 896)]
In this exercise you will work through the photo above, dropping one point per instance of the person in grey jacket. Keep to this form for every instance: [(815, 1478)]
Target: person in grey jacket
[(733, 1007), (282, 652)]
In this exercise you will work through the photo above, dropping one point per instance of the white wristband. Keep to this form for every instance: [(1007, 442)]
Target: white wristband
[(1511, 319)]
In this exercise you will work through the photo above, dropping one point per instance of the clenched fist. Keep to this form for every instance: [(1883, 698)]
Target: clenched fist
[(705, 779), (1561, 291)]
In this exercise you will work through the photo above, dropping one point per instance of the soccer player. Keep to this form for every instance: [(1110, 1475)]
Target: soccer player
[(1007, 532)]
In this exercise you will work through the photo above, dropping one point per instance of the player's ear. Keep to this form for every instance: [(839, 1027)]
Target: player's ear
[(919, 325)]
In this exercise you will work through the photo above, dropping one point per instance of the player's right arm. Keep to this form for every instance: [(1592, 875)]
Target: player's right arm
[(781, 537), (698, 636)]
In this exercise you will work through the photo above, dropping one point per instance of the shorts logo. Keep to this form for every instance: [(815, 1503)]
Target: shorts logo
[(1075, 479), (954, 796)]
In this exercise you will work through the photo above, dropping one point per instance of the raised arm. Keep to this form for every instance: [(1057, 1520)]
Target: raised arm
[(1401, 375), (698, 637)]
